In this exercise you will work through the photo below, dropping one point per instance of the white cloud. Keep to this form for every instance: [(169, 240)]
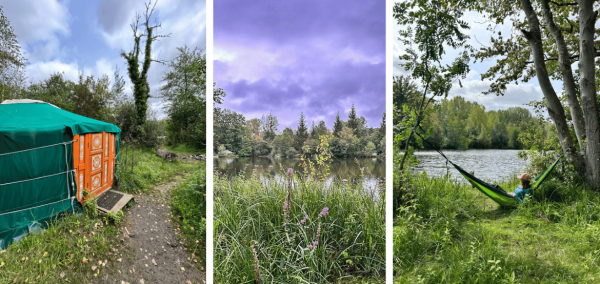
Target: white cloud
[(42, 70), (38, 25)]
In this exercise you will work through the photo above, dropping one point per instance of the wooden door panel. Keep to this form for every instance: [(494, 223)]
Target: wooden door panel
[(94, 160)]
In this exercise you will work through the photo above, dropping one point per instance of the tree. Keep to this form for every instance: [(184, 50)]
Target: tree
[(382, 126), (313, 129), (545, 43), (405, 92), (12, 61), (269, 126), (337, 125), (137, 74), (301, 132), (431, 26), (185, 94), (353, 120), (254, 126), (321, 129), (229, 130)]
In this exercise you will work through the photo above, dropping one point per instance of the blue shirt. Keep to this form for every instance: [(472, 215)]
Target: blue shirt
[(521, 193)]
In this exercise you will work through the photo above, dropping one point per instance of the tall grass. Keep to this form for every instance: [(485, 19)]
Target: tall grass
[(189, 211), (296, 231), (148, 170), (450, 233)]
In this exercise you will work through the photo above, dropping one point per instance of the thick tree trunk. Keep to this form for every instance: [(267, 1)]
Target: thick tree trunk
[(567, 75), (555, 108), (587, 84)]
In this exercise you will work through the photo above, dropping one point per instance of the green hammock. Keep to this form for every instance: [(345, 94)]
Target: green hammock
[(498, 194)]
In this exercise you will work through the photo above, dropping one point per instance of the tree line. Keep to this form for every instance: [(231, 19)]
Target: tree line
[(105, 99), (261, 136), (460, 124)]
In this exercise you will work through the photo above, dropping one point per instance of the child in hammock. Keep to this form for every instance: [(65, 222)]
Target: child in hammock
[(524, 189)]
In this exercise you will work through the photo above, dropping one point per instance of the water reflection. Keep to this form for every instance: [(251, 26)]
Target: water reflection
[(489, 165), (349, 169)]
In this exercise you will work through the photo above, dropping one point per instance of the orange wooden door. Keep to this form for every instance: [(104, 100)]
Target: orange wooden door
[(94, 160)]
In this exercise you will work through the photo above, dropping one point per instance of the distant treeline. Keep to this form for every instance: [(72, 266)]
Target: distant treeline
[(459, 124), (261, 137)]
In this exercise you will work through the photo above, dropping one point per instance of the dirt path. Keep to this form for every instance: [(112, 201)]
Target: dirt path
[(153, 253)]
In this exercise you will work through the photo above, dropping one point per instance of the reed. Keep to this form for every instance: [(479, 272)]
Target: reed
[(300, 230)]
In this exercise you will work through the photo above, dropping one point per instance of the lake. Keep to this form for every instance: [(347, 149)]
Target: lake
[(489, 165), (340, 168)]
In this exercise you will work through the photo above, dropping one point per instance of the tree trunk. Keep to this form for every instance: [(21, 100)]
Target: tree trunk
[(166, 154), (587, 84), (555, 108), (567, 75)]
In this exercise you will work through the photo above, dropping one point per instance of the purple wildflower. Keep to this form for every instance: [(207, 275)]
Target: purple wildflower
[(303, 221), (324, 212), (290, 171)]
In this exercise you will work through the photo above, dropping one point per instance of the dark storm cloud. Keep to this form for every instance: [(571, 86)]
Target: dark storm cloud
[(288, 57)]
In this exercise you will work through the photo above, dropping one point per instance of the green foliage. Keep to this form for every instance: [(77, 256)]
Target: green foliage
[(12, 61), (149, 170), (246, 138), (189, 211), (139, 74), (431, 26), (323, 157), (301, 132), (185, 95), (229, 129), (448, 232), (249, 214), (338, 125), (67, 249)]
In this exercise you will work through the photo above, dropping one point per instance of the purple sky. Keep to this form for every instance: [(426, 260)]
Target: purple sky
[(289, 56)]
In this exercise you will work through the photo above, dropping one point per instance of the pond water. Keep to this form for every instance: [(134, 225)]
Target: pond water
[(489, 165), (339, 168)]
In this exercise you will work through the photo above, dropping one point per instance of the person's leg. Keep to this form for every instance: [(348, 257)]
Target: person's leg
[(511, 193)]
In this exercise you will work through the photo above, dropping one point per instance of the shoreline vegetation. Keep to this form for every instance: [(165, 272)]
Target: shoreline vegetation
[(236, 136), (296, 230), (447, 232), (460, 124)]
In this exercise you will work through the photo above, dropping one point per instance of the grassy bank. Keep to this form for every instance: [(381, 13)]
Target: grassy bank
[(450, 233), (189, 212), (149, 169), (71, 247), (323, 235)]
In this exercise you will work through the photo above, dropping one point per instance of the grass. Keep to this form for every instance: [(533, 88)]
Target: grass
[(450, 233), (149, 170), (189, 212), (71, 246), (72, 249), (184, 149), (258, 241)]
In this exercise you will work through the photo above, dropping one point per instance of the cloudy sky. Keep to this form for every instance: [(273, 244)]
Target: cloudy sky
[(289, 56), (473, 86), (71, 36)]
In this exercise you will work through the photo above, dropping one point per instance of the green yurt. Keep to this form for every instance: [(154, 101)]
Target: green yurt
[(48, 157)]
